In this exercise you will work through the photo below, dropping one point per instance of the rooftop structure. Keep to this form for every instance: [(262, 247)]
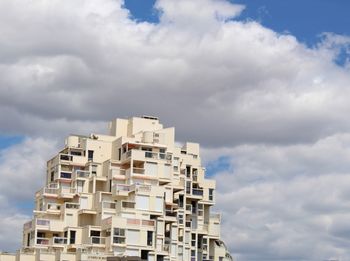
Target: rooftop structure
[(132, 193)]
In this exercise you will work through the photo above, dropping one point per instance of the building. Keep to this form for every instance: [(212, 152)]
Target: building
[(131, 195)]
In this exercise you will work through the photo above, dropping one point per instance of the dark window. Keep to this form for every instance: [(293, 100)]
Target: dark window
[(94, 233), (72, 237), (149, 238), (119, 153), (52, 176), (211, 194), (90, 155), (144, 254)]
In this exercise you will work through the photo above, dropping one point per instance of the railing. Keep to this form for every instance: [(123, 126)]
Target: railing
[(65, 190), (107, 204), (53, 206), (170, 214), (50, 190), (133, 221), (27, 225), (42, 241), (72, 205), (66, 157), (138, 171), (66, 175), (141, 187), (118, 171), (82, 173), (149, 223), (128, 204), (60, 240), (43, 222), (98, 240), (122, 187), (197, 192)]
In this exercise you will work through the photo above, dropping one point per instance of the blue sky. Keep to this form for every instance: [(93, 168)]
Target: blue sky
[(305, 19)]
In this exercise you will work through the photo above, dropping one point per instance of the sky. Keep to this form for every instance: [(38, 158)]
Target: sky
[(263, 86)]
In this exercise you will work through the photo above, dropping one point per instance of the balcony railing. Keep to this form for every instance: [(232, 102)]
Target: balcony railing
[(50, 190), (122, 187), (197, 192), (53, 206), (60, 240), (128, 204), (82, 173), (170, 213), (72, 205), (42, 241), (106, 204), (149, 223), (138, 171), (67, 190), (66, 157), (43, 222), (98, 240), (66, 175), (27, 225)]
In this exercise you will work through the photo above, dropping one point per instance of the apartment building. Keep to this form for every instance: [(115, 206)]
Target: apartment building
[(132, 193)]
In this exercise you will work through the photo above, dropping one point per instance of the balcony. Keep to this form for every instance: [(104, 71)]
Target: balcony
[(67, 192), (27, 225), (84, 174), (72, 205), (43, 223), (110, 205), (97, 240), (59, 240), (65, 175), (128, 204), (138, 171), (121, 190), (197, 192), (42, 241), (144, 155), (65, 157)]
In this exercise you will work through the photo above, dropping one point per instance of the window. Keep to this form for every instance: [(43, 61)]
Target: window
[(149, 238), (90, 155), (119, 153), (119, 236), (211, 194), (72, 237), (52, 176)]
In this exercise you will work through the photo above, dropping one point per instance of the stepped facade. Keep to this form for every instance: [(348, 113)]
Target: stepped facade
[(131, 195)]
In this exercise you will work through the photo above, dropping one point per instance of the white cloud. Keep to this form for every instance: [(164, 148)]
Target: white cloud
[(22, 173), (77, 61), (277, 107), (287, 202)]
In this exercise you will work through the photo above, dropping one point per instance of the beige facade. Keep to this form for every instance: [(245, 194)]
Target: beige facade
[(133, 192)]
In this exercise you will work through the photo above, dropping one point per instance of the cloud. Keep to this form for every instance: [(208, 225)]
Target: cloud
[(287, 202), (273, 108), (78, 62), (22, 173)]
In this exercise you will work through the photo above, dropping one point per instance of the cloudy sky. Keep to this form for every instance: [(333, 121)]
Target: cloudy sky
[(264, 87)]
